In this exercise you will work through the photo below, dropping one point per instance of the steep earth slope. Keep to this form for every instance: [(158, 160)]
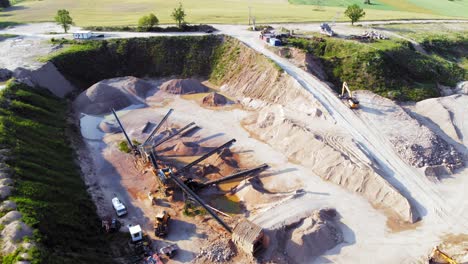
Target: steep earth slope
[(293, 121)]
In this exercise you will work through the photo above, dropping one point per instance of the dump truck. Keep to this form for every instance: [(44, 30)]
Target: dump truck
[(161, 224)]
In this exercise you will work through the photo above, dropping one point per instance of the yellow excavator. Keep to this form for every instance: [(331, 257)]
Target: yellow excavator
[(353, 103), (437, 254)]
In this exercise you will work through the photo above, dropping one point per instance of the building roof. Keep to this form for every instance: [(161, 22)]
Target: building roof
[(247, 231)]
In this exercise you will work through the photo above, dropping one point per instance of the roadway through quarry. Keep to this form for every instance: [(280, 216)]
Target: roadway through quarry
[(381, 184)]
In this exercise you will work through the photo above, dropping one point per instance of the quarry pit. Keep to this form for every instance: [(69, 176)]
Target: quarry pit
[(323, 183)]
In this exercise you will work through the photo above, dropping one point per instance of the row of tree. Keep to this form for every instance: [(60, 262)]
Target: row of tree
[(4, 3), (146, 23)]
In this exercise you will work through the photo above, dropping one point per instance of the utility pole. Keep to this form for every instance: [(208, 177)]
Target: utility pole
[(250, 14)]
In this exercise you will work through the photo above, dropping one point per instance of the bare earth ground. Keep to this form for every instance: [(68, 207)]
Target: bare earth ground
[(367, 237)]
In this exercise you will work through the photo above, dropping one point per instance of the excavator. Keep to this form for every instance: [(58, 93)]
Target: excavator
[(438, 254), (353, 103)]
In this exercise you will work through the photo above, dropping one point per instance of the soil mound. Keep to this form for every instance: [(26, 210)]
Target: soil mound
[(313, 236), (214, 99), (183, 86), (115, 93)]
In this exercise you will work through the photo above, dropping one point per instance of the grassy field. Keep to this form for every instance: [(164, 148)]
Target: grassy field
[(49, 190), (127, 12), (439, 7)]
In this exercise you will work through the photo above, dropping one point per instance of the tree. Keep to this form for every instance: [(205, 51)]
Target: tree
[(354, 12), (146, 23), (64, 19), (367, 2), (4, 3), (179, 15)]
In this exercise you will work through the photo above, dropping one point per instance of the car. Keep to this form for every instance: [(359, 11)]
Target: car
[(209, 31), (119, 207)]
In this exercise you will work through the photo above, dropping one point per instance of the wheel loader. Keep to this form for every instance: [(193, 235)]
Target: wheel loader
[(161, 225)]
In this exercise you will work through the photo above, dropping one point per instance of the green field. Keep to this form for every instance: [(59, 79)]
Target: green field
[(438, 7), (127, 12)]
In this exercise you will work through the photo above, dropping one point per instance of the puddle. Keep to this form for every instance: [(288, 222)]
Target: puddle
[(226, 203), (90, 127)]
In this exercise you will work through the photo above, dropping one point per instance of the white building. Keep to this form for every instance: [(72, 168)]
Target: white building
[(82, 35)]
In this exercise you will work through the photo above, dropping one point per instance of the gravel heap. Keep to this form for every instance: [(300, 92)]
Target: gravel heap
[(217, 252)]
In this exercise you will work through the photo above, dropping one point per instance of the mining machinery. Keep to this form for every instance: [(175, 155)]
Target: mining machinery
[(197, 186), (163, 175), (142, 152), (347, 95)]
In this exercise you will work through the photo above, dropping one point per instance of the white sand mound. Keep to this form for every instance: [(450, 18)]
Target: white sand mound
[(109, 127), (10, 217), (47, 76), (14, 233), (5, 191), (7, 205), (116, 93), (215, 99), (447, 113), (183, 86), (415, 143), (313, 236), (331, 156)]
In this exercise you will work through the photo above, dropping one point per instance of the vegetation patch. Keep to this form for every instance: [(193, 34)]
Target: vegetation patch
[(49, 190), (89, 62), (183, 28), (387, 67)]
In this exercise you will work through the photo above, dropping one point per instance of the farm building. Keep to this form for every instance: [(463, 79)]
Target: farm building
[(248, 236)]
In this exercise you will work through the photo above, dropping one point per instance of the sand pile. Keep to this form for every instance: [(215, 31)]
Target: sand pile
[(448, 114), (339, 160), (415, 143), (214, 99), (313, 236), (186, 148), (47, 76), (183, 86), (109, 127), (115, 93)]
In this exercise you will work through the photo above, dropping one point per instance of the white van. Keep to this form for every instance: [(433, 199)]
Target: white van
[(119, 207)]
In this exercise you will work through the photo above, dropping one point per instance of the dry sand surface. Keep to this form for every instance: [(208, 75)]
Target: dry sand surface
[(300, 146), (113, 172)]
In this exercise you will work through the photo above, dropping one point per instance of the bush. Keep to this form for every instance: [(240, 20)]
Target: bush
[(89, 62), (146, 23), (389, 68)]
